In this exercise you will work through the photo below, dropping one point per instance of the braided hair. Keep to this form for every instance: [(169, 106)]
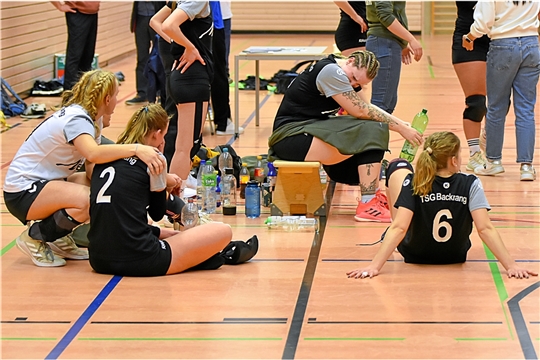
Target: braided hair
[(364, 59)]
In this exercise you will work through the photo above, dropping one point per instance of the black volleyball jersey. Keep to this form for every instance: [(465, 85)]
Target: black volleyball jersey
[(304, 100), (120, 200), (442, 221), (199, 30)]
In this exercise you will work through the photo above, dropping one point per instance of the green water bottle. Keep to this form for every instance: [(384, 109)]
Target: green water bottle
[(419, 123)]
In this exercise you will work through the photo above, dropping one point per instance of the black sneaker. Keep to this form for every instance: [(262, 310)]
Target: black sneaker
[(137, 100)]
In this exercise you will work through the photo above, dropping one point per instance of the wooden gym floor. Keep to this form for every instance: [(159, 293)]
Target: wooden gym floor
[(293, 300)]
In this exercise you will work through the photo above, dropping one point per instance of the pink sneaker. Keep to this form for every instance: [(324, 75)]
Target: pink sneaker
[(375, 210)]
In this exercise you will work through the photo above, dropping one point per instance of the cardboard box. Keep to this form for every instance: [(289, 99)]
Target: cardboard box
[(60, 63)]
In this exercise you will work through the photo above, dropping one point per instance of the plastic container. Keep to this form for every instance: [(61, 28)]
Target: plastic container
[(258, 172), (271, 177), (292, 223), (420, 122), (244, 179), (190, 214), (228, 193), (225, 160), (209, 182), (253, 199), (200, 199)]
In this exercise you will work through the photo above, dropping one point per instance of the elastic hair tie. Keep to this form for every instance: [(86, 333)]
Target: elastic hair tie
[(429, 150)]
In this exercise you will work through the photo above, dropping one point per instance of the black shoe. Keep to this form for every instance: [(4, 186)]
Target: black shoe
[(238, 252), (137, 100)]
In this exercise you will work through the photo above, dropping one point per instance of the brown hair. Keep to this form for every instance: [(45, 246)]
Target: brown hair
[(148, 118), (438, 148), (364, 59)]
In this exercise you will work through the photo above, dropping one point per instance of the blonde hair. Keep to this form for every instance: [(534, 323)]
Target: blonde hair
[(364, 59), (438, 148), (151, 117), (91, 90)]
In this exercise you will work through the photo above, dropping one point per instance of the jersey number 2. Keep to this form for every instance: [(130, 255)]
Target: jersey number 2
[(101, 197), (438, 224)]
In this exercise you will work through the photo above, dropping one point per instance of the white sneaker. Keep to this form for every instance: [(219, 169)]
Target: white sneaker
[(527, 172), (490, 168), (476, 160), (39, 251), (66, 248), (191, 182), (230, 129)]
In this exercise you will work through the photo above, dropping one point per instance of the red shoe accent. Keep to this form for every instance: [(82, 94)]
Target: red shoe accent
[(374, 210)]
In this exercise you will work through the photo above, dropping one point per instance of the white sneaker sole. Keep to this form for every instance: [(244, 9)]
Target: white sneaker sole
[(22, 246), (82, 255)]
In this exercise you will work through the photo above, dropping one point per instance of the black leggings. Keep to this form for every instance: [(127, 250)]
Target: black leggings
[(295, 148)]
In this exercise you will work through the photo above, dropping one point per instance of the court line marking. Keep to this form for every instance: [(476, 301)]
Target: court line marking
[(523, 334), (300, 308), (83, 319), (182, 339)]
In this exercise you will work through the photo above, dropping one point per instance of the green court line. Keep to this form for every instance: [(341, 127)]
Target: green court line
[(26, 338), (182, 339), (7, 248), (499, 284), (480, 339), (354, 339)]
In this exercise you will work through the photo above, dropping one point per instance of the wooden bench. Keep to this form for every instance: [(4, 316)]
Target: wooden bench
[(298, 189)]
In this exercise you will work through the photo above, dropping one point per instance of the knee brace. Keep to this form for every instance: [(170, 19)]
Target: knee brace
[(476, 108)]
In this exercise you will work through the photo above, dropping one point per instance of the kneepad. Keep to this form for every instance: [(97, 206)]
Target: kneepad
[(476, 108)]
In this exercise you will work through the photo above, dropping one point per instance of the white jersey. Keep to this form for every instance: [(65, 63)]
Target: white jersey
[(48, 152)]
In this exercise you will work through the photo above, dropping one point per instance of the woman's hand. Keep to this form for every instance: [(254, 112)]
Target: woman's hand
[(416, 48), (467, 43), (151, 157), (189, 56), (520, 273), (174, 184), (410, 134), (363, 26), (167, 233), (406, 56), (363, 273)]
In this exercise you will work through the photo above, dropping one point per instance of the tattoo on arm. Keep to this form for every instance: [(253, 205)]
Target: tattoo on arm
[(372, 112)]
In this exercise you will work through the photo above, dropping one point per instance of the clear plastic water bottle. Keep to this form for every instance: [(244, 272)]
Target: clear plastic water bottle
[(200, 199), (271, 176), (225, 161), (258, 172), (209, 189), (228, 193), (244, 179), (190, 215), (292, 223), (420, 122), (253, 199)]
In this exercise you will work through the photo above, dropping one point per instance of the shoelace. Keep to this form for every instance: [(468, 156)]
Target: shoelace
[(43, 248)]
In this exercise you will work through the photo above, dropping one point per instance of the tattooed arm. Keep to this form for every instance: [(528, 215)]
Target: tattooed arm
[(355, 106)]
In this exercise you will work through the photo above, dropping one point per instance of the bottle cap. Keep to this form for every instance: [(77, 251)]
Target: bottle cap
[(253, 182), (225, 150)]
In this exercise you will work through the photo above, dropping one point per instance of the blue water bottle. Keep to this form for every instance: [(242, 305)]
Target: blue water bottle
[(253, 199)]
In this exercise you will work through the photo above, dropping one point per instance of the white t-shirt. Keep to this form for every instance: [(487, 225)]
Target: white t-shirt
[(48, 153)]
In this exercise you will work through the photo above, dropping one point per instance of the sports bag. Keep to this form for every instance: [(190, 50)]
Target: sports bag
[(12, 104), (283, 78)]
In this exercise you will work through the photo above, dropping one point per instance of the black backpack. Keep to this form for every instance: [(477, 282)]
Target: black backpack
[(12, 104), (283, 78)]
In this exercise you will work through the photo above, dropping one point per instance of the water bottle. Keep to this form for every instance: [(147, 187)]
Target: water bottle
[(228, 193), (253, 199), (225, 161), (271, 176), (244, 179), (209, 189), (202, 164), (420, 121), (258, 173), (292, 223), (323, 176), (190, 214), (218, 193)]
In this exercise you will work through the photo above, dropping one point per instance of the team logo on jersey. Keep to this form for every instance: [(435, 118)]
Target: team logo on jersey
[(33, 189), (406, 182), (162, 245), (73, 166), (446, 185), (340, 71)]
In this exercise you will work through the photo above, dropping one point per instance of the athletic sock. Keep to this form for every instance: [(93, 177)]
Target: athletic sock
[(54, 227), (367, 198), (474, 145)]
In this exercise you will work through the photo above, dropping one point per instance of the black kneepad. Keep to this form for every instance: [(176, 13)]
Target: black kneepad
[(174, 208), (476, 108)]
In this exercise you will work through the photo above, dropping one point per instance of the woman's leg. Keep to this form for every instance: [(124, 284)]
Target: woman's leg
[(193, 246), (191, 118), (56, 195)]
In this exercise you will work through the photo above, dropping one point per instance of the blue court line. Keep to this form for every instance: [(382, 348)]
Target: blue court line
[(83, 319), (523, 334)]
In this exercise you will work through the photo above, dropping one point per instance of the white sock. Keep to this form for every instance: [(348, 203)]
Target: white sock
[(367, 198)]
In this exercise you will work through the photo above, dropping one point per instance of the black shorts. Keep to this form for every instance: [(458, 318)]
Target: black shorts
[(19, 203), (156, 264), (396, 164), (349, 35), (192, 86), (346, 172), (293, 148), (461, 55)]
